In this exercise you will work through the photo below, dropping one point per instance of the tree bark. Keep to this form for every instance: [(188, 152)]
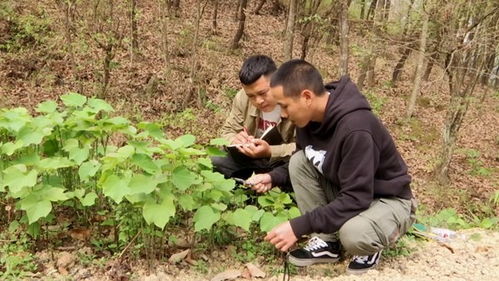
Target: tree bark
[(242, 20), (344, 38), (164, 30), (134, 29), (290, 30), (214, 17), (419, 68), (362, 9), (259, 7)]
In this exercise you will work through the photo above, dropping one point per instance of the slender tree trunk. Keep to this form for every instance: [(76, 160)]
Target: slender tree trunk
[(164, 30), (240, 29), (259, 7), (194, 59), (215, 15), (362, 9), (400, 65), (237, 11), (372, 8), (290, 30), (344, 38), (419, 68), (134, 29)]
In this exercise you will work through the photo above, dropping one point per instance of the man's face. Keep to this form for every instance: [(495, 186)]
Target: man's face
[(259, 94), (296, 109)]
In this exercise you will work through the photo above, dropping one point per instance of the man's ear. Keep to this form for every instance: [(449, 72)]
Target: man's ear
[(307, 95)]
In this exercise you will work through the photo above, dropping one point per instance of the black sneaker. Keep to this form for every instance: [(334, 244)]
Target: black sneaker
[(316, 251), (361, 264)]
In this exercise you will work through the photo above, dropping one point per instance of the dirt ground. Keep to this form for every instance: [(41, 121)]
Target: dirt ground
[(475, 256)]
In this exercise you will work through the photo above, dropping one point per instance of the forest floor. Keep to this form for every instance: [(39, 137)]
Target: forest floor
[(473, 255)]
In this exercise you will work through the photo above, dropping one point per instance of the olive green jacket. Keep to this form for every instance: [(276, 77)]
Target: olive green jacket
[(244, 115)]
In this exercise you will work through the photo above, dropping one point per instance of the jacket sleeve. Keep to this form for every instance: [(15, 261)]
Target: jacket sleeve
[(359, 155), (282, 150), (234, 123)]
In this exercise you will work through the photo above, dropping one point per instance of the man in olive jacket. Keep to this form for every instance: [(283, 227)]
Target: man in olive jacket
[(253, 111)]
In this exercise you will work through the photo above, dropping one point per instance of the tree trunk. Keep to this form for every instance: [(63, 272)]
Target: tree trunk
[(400, 65), (344, 38), (276, 8), (215, 15), (134, 29), (290, 30), (419, 68), (372, 8), (164, 30), (242, 20), (259, 7), (362, 9)]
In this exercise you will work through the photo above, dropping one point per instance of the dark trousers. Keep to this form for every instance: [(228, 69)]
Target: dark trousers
[(230, 167)]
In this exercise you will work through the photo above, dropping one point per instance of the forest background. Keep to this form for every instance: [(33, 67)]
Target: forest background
[(428, 67)]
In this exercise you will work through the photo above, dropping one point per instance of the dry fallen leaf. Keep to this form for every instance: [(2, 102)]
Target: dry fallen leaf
[(179, 256), (255, 271), (82, 234), (230, 274)]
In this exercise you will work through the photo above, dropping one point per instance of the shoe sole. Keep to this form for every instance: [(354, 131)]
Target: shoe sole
[(360, 271), (308, 262)]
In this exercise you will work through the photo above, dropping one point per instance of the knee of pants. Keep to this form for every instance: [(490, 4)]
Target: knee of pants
[(296, 163), (358, 237)]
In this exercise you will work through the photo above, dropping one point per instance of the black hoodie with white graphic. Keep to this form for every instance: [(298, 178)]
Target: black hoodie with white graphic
[(360, 159)]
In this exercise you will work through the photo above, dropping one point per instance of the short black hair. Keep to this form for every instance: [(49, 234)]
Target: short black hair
[(297, 75), (254, 67)]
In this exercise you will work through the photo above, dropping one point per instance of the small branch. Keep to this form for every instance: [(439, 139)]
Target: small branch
[(129, 244)]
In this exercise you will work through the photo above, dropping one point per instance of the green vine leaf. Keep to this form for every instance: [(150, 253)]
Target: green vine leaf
[(115, 188), (47, 107), (17, 177), (73, 99), (142, 184), (205, 217), (88, 169), (269, 221), (182, 178), (159, 214)]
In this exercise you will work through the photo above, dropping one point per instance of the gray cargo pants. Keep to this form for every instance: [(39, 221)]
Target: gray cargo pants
[(365, 234)]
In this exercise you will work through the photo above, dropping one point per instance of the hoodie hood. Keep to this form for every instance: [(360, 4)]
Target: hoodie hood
[(344, 98)]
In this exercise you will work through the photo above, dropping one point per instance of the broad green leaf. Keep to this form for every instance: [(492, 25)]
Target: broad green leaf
[(215, 151), (241, 218), (53, 194), (145, 162), (191, 151), (28, 135), (88, 170), (159, 214), (206, 162), (186, 140), (99, 105), (152, 129), (254, 213), (17, 177), (125, 151), (265, 201), (46, 107), (182, 178), (205, 217), (76, 153), (15, 119), (293, 212), (269, 221), (219, 141), (89, 199), (35, 208), (187, 202), (219, 206), (10, 148), (171, 144), (115, 188), (73, 99), (54, 163), (142, 184)]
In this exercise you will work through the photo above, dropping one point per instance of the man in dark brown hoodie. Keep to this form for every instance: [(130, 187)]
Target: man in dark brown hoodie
[(350, 181)]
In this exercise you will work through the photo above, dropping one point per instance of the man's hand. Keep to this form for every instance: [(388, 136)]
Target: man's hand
[(242, 138), (282, 236), (257, 148), (260, 182)]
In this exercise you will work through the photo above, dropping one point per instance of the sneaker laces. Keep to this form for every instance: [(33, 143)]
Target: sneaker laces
[(315, 243)]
